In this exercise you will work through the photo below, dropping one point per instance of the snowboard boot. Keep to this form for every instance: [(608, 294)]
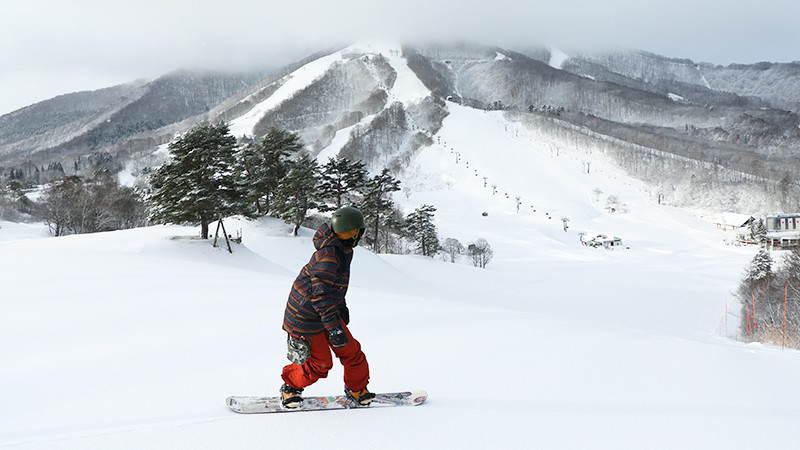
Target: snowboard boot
[(362, 397), (291, 397)]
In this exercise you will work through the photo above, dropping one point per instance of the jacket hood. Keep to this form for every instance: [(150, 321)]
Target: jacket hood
[(324, 237)]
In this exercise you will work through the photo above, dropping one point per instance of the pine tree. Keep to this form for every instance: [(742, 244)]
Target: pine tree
[(297, 193), (758, 231), (340, 177), (760, 269), (197, 185), (422, 230), (250, 168), (263, 165), (377, 204), (756, 287)]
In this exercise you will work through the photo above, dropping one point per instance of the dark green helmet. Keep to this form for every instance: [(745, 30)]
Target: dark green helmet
[(347, 218)]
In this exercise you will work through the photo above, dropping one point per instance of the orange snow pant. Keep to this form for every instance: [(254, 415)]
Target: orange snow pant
[(319, 362)]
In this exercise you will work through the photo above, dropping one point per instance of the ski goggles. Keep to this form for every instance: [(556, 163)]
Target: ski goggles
[(352, 234)]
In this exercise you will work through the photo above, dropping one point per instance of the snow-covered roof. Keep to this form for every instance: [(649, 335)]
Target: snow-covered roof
[(732, 219)]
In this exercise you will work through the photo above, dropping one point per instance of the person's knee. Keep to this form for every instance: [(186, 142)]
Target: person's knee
[(320, 369)]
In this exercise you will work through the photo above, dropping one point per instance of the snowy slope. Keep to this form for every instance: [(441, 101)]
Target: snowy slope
[(296, 81), (133, 339), (407, 87)]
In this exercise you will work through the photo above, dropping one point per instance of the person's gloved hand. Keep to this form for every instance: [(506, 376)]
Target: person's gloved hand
[(337, 336)]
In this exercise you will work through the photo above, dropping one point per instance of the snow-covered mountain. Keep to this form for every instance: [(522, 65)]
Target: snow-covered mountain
[(764, 84), (705, 137), (113, 119), (133, 339)]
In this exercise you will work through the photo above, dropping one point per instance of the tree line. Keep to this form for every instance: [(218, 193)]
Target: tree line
[(30, 175), (211, 176), (75, 205), (769, 295)]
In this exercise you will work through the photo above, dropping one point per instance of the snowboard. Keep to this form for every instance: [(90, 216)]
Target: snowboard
[(261, 405)]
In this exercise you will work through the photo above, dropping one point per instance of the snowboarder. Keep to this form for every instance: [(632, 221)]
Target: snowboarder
[(316, 316)]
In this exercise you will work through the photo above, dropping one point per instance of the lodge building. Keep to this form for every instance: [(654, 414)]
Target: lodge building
[(783, 231)]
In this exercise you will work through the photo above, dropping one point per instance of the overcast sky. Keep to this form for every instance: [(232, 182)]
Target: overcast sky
[(53, 47)]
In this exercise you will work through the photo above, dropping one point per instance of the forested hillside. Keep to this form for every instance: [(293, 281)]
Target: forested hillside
[(712, 137)]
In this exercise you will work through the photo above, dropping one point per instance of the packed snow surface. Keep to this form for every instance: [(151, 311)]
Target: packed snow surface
[(133, 339)]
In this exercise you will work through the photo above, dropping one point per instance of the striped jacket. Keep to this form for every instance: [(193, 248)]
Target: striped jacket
[(318, 292)]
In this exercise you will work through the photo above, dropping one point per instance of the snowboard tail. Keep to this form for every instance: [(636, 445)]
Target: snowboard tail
[(262, 405)]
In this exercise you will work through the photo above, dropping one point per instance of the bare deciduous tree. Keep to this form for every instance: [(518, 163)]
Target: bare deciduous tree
[(452, 248), (481, 253)]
